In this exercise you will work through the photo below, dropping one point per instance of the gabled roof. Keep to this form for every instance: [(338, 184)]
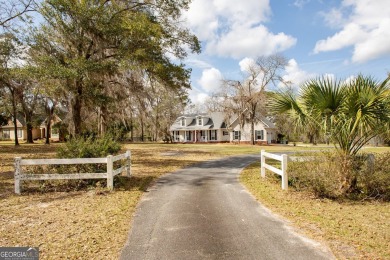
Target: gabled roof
[(267, 123), (214, 120), (260, 118), (20, 122), (54, 120)]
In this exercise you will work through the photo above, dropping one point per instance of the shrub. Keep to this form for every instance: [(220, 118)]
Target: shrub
[(333, 176), (85, 147), (88, 147), (375, 183)]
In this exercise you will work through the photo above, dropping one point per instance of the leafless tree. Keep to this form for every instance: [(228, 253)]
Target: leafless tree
[(12, 9), (246, 98)]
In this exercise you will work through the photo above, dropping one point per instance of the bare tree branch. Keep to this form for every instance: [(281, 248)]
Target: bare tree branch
[(10, 10)]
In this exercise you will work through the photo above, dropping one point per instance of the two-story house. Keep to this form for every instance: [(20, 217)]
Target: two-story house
[(200, 128), (212, 127)]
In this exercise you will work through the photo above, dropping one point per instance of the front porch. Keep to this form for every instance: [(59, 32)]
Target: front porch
[(195, 136)]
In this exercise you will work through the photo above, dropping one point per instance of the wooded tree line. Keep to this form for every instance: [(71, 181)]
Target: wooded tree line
[(105, 63)]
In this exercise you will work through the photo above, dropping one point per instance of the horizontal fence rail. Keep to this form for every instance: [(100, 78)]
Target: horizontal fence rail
[(109, 175), (282, 172)]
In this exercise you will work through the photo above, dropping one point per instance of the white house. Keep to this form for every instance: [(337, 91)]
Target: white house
[(265, 131), (200, 128), (212, 128)]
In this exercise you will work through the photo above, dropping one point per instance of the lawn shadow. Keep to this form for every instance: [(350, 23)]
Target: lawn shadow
[(140, 183)]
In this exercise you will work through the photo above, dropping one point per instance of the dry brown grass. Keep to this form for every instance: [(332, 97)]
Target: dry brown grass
[(87, 224), (353, 230), (91, 223)]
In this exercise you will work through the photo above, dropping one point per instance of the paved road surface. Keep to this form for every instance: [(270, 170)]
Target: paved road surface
[(203, 212)]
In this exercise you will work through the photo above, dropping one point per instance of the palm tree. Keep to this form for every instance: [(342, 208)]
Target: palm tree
[(349, 113)]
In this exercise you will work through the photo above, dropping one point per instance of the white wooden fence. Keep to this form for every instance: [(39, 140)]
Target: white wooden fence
[(109, 175), (282, 172)]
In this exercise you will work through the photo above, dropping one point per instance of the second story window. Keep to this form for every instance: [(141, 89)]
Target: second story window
[(199, 121), (183, 122)]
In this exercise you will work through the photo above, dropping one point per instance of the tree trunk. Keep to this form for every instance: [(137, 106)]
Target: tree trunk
[(253, 119), (48, 130), (16, 129), (50, 112), (76, 107), (157, 129), (142, 129), (14, 114), (28, 118), (131, 127), (252, 132), (30, 139), (103, 121)]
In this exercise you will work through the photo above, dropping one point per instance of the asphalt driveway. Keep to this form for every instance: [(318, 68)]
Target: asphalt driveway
[(203, 212)]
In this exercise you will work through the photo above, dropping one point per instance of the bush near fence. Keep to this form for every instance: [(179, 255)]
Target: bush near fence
[(336, 177), (79, 147), (109, 174)]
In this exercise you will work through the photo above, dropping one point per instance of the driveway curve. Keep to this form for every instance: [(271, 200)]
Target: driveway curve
[(203, 212)]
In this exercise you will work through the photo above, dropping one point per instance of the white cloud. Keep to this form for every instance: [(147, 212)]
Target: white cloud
[(211, 80), (232, 28), (349, 80), (198, 97), (295, 76), (334, 18), (243, 41), (329, 76), (202, 18), (365, 27), (301, 3), (246, 63), (376, 45), (198, 63), (351, 34)]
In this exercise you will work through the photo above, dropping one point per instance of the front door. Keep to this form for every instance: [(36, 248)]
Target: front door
[(269, 138)]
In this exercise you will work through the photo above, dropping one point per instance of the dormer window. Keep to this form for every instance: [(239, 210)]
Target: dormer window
[(183, 122), (200, 121)]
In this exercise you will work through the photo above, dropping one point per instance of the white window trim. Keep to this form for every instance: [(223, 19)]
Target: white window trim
[(260, 134), (237, 137), (201, 121)]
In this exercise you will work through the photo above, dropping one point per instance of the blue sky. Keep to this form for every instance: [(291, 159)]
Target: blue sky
[(318, 37)]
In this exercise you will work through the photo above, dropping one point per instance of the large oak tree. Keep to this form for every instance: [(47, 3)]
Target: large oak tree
[(86, 43)]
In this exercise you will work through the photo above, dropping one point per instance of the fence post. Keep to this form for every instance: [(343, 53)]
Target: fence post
[(284, 172), (128, 168), (262, 162), (110, 177), (17, 175)]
